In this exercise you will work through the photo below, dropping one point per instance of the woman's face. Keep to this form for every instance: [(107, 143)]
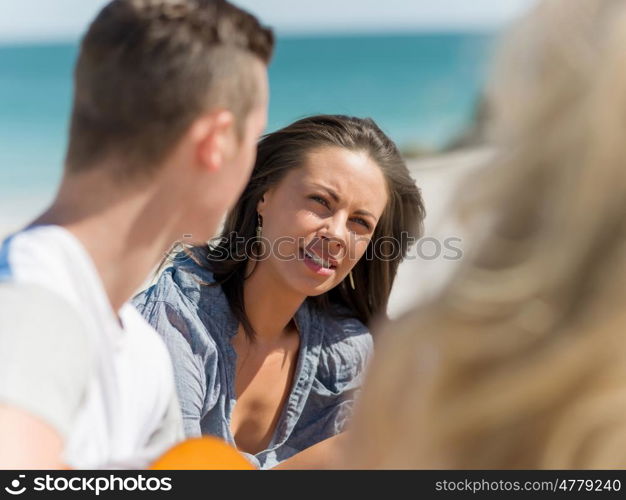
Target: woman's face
[(319, 220)]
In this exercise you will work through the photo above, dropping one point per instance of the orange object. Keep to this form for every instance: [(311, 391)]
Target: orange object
[(205, 453)]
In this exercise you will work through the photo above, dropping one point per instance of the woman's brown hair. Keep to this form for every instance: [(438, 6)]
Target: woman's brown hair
[(286, 149)]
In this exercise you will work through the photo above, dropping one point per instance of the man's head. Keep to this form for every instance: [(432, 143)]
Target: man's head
[(152, 73)]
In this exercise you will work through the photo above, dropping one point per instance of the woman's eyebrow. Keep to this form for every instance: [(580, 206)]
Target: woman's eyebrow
[(330, 191), (333, 194)]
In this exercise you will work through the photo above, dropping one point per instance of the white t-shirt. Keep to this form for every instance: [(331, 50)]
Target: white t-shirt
[(108, 389)]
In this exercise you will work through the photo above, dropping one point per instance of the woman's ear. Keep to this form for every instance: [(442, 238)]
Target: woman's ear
[(262, 204)]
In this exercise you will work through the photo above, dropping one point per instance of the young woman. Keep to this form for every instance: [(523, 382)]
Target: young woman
[(269, 327), (521, 363)]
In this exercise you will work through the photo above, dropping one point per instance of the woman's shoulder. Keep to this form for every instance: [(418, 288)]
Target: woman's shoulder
[(342, 324), (347, 344), (182, 304), (185, 285)]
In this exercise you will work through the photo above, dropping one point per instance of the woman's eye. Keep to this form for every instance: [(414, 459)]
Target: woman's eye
[(363, 222), (321, 200)]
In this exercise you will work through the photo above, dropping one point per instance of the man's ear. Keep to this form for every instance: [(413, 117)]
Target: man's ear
[(214, 138)]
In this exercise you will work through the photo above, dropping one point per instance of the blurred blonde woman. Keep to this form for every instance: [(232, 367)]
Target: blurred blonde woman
[(521, 362)]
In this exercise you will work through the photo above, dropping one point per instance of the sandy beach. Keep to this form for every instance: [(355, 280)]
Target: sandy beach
[(426, 269), (17, 211)]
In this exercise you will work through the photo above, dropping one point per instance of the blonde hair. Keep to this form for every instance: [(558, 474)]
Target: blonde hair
[(521, 361)]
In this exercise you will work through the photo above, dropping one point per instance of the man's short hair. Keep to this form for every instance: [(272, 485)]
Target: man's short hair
[(148, 68)]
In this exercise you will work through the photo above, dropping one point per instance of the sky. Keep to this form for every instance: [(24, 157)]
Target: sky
[(42, 20)]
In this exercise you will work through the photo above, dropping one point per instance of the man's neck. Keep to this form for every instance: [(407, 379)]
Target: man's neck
[(125, 234)]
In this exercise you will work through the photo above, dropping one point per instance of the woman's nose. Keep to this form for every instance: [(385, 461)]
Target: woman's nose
[(336, 236)]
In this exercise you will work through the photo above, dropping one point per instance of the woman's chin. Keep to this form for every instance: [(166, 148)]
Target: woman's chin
[(310, 287), (298, 277)]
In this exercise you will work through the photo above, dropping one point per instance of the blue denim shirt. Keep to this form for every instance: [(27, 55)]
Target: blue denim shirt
[(197, 325)]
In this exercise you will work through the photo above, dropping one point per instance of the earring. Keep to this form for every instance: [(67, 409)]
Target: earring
[(258, 241), (259, 227), (352, 281)]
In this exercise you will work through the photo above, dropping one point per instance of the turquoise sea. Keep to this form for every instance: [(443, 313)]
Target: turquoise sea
[(420, 88)]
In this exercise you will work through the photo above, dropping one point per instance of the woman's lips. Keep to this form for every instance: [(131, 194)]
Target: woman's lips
[(314, 266)]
